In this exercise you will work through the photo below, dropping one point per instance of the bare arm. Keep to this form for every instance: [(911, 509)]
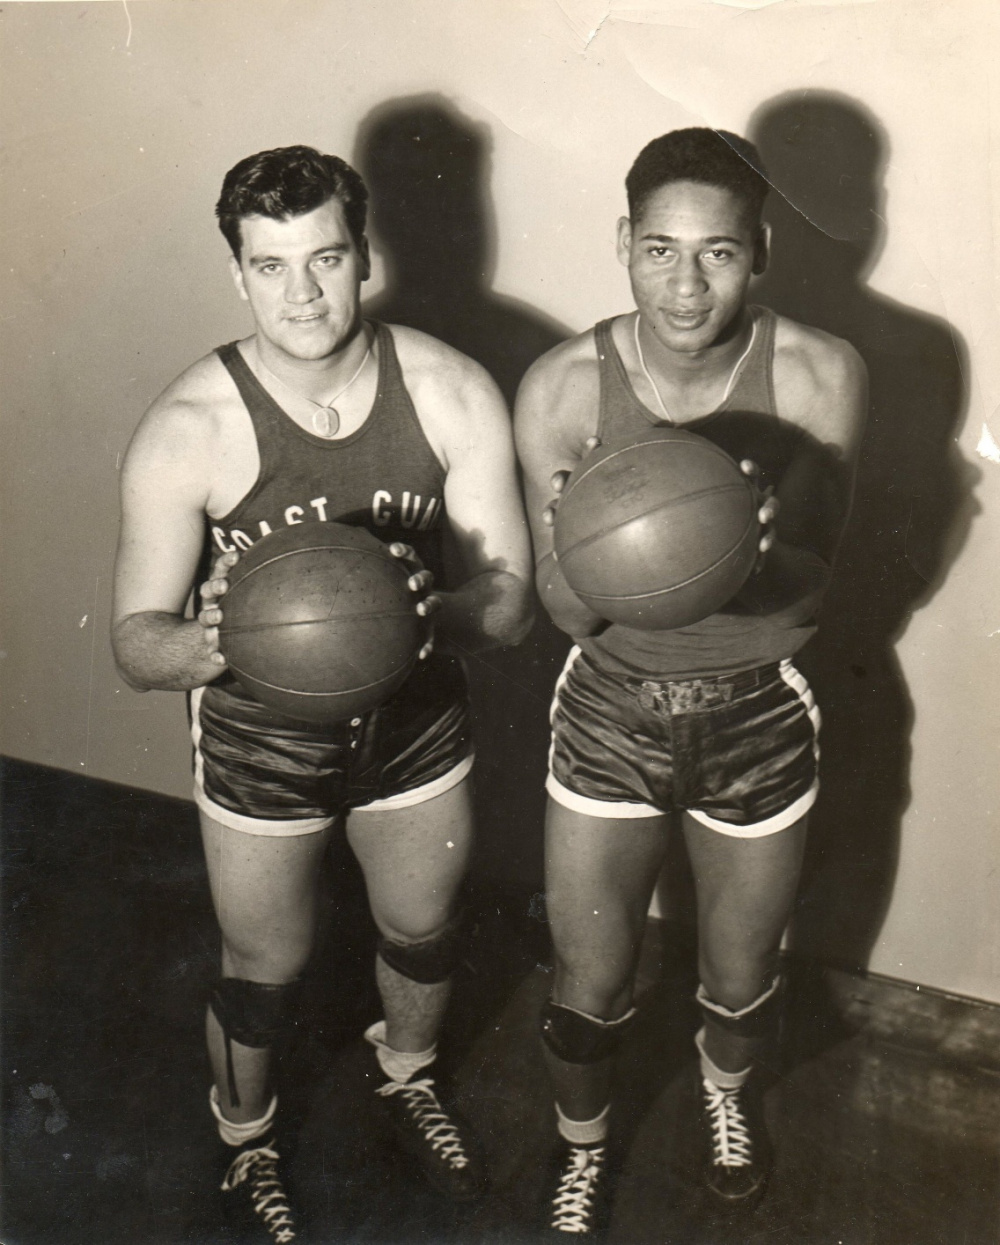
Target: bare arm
[(550, 442), (492, 606), (824, 392), (163, 497)]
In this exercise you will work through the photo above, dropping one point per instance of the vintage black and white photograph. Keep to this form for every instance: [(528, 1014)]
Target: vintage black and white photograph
[(500, 669)]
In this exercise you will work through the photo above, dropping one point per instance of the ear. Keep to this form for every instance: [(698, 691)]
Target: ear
[(366, 258), (236, 272), (624, 241), (762, 249)]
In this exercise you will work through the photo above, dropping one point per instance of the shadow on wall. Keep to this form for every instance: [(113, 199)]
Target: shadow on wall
[(825, 154), (427, 167)]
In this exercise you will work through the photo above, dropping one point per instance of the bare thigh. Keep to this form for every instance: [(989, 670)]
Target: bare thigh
[(414, 860), (599, 877), (265, 891), (745, 890)]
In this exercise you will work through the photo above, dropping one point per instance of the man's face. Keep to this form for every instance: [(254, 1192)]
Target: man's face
[(690, 256), (302, 278)]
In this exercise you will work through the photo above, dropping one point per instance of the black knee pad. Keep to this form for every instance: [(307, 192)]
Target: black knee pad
[(430, 961), (575, 1037), (251, 1013), (758, 1020)]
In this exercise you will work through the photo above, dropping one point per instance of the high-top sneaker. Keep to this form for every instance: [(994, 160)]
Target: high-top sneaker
[(255, 1194), (434, 1136)]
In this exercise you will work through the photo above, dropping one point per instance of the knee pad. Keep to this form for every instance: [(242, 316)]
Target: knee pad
[(251, 1013), (430, 961), (758, 1019), (575, 1037)]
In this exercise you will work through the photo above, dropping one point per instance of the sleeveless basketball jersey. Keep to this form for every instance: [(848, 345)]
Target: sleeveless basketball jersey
[(746, 425), (384, 476)]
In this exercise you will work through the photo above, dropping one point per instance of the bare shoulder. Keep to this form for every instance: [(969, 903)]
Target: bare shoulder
[(459, 406), (184, 425), (428, 362), (558, 400), (820, 382)]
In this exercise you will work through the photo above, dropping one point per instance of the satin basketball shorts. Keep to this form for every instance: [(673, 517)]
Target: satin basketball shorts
[(739, 753), (263, 773)]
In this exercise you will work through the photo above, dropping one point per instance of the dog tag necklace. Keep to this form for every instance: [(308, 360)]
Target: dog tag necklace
[(325, 417)]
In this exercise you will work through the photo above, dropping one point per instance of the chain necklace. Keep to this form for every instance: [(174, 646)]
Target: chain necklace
[(729, 387), (326, 417)]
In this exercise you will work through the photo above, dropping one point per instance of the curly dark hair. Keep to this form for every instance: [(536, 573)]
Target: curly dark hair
[(289, 181), (712, 157)]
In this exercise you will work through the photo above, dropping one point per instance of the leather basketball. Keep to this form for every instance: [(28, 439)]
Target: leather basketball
[(318, 622), (657, 531)]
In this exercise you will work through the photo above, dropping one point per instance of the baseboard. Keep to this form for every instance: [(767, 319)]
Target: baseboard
[(949, 1026)]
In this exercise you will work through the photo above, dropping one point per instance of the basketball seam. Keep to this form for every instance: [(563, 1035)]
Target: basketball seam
[(659, 592), (294, 553), (351, 691), (308, 622), (638, 445), (714, 491)]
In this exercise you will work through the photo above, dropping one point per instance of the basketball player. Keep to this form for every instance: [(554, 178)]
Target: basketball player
[(320, 416), (709, 723)]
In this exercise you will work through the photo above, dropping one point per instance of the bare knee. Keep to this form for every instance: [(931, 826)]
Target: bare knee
[(259, 957), (600, 987), (735, 981), (415, 925)]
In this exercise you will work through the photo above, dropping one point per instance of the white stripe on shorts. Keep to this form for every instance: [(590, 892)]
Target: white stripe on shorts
[(238, 821), (280, 827), (623, 809), (420, 795), (771, 825), (790, 815)]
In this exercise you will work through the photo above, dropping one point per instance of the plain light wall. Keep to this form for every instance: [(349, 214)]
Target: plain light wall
[(120, 122)]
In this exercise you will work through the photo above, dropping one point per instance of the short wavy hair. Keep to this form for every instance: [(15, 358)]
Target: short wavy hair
[(286, 182)]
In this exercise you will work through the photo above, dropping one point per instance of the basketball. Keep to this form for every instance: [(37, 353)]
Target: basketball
[(657, 531), (318, 622)]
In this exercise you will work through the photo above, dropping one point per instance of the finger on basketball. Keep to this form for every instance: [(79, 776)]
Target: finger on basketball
[(428, 606), (212, 589), (222, 565), (210, 638), (421, 581), (209, 617), (426, 651), (769, 511)]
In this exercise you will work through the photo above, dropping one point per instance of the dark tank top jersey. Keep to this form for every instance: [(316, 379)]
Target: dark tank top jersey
[(746, 425), (384, 476)]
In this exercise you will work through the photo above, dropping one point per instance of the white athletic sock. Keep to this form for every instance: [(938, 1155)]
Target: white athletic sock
[(237, 1134), (398, 1065), (583, 1132), (711, 1072)]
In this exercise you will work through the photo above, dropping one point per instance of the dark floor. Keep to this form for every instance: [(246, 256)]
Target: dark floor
[(108, 949)]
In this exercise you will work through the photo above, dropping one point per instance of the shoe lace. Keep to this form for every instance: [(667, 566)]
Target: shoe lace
[(259, 1167), (429, 1116), (730, 1134), (572, 1204)]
